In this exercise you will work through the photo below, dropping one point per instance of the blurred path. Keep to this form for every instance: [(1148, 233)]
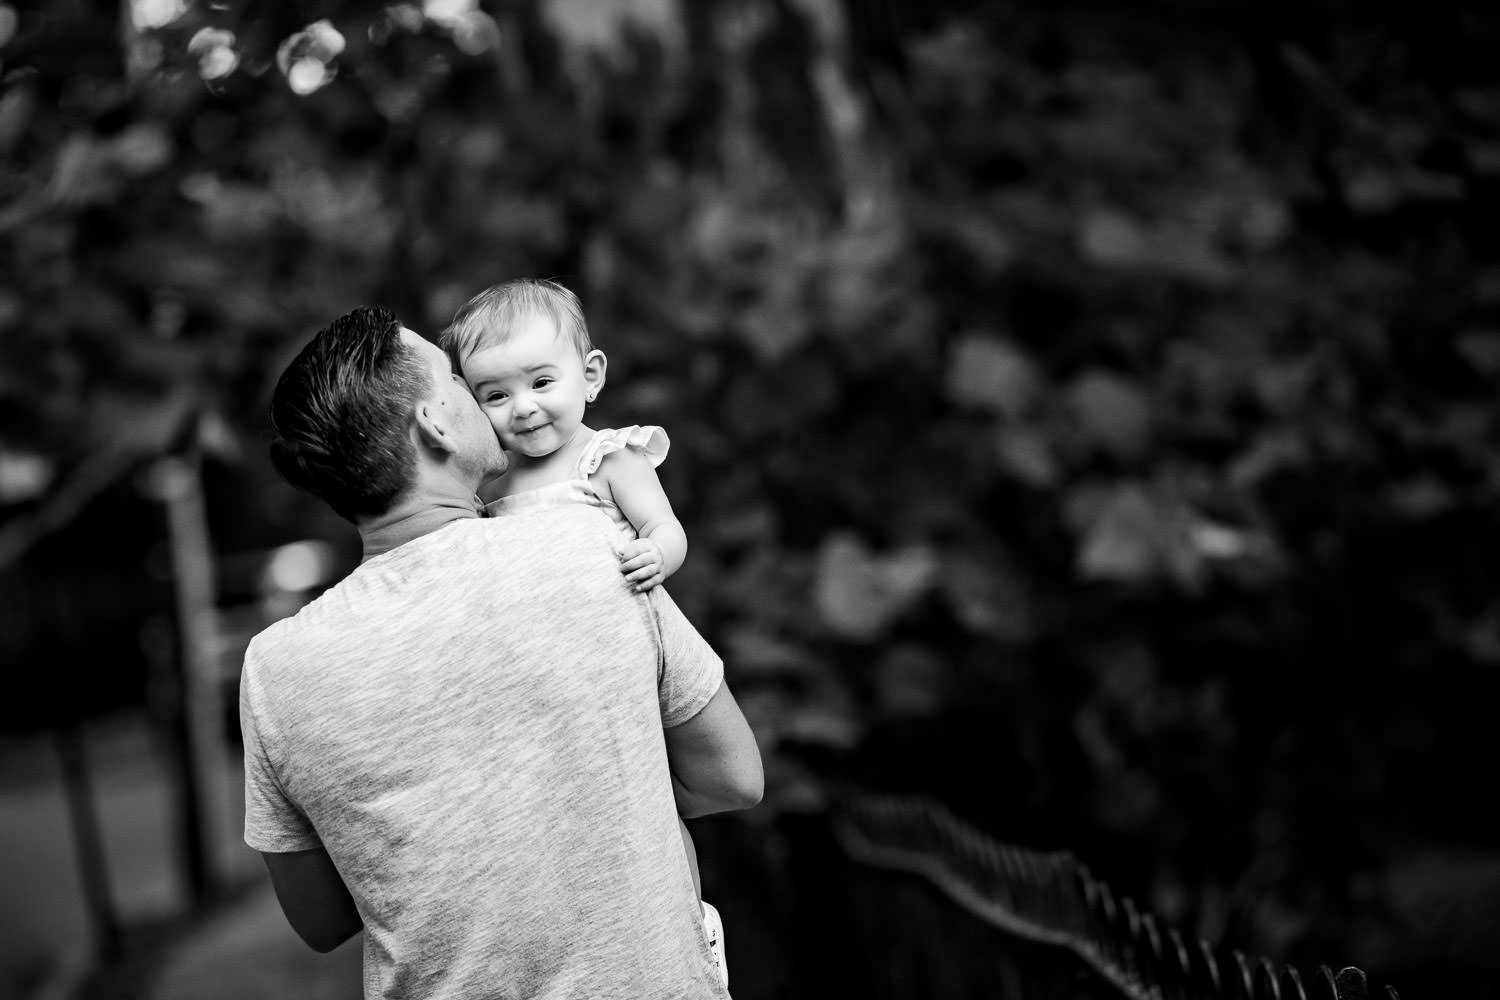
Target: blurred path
[(248, 952), (236, 950)]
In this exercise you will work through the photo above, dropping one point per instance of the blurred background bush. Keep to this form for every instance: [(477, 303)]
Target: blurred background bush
[(1084, 415)]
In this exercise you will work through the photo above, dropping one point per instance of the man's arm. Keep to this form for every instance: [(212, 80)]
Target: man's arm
[(715, 763), (314, 898)]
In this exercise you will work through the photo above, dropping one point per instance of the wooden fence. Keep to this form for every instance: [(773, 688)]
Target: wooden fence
[(944, 911)]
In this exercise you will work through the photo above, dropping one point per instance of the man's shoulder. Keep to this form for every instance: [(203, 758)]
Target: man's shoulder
[(303, 629), (559, 557), (558, 516), (574, 527), (277, 638)]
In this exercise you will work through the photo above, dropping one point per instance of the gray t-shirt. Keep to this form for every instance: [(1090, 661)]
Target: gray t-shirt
[(471, 725)]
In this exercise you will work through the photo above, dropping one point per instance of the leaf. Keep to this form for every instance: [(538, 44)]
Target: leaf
[(140, 149), (1119, 542), (1026, 453), (351, 210), (1419, 498), (1113, 240), (986, 595), (1111, 411), (606, 28), (82, 174), (10, 310), (859, 593), (1481, 349), (1273, 450), (1283, 386), (17, 109), (775, 328), (987, 243), (232, 209), (750, 649), (824, 725), (865, 273), (1129, 535), (989, 372), (911, 680)]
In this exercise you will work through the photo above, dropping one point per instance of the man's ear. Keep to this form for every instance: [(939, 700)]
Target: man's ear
[(432, 428), (594, 365)]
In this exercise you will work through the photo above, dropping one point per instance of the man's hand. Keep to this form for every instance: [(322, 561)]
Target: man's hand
[(643, 564)]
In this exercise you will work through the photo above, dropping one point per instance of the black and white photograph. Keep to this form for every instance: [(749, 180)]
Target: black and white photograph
[(781, 499)]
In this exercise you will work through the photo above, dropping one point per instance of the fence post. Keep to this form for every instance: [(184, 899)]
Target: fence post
[(83, 817), (178, 484)]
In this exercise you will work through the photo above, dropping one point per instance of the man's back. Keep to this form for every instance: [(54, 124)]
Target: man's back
[(471, 725)]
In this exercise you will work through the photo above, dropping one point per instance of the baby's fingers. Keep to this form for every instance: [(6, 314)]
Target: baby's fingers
[(643, 580), (644, 559), (641, 571)]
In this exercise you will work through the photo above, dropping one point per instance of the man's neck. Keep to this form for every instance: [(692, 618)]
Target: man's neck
[(409, 521)]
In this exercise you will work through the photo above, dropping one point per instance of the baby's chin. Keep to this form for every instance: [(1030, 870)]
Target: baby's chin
[(515, 451)]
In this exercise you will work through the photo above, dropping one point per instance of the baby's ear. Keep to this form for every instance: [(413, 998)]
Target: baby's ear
[(594, 366)]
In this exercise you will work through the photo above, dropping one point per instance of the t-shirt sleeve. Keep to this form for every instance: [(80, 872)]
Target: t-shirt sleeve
[(691, 671), (273, 822)]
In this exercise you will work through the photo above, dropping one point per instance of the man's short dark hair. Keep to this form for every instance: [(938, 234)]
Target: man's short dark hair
[(340, 414)]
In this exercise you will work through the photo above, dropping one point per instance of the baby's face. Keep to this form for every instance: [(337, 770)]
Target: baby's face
[(533, 387)]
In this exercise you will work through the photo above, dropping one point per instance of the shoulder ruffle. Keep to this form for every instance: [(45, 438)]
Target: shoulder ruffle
[(650, 441)]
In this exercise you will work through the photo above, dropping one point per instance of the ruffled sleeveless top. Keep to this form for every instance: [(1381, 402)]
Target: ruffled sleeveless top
[(649, 441)]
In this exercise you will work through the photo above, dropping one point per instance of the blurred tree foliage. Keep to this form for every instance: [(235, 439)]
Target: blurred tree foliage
[(1086, 416)]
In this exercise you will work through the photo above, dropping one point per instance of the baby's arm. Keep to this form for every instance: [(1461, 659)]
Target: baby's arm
[(661, 545)]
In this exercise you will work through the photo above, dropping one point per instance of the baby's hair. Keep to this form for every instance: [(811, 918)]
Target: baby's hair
[(489, 317)]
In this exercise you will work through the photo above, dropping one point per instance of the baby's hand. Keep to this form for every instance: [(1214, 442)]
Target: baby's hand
[(642, 564)]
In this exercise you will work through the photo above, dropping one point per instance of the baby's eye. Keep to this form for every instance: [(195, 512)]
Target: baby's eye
[(494, 397), (543, 382)]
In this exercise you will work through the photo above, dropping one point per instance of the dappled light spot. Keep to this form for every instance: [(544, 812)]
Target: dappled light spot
[(299, 566), (9, 21), (148, 14), (214, 48), (448, 12), (397, 18), (23, 476), (475, 34), (307, 57), (472, 29), (307, 75)]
